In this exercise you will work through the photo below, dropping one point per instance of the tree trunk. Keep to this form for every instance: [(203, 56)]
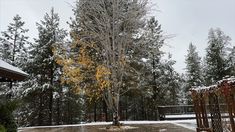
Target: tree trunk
[(58, 111), (95, 111), (68, 118), (51, 96), (143, 117), (105, 111), (155, 89), (40, 109), (116, 118), (50, 105)]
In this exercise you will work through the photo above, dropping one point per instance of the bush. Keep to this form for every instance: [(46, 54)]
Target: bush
[(6, 117), (2, 129)]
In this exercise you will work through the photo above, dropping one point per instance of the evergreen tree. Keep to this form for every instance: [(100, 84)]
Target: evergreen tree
[(154, 40), (193, 70), (13, 49), (45, 72), (231, 62), (216, 56), (156, 82), (14, 43), (170, 83), (6, 117)]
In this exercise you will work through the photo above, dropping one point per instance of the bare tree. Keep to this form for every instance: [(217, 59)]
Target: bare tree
[(113, 25)]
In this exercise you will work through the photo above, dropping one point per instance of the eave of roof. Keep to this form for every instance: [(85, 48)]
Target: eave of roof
[(11, 73)]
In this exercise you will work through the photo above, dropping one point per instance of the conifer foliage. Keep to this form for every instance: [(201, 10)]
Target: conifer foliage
[(14, 43), (13, 49), (44, 83), (216, 54), (193, 70), (111, 67), (231, 61)]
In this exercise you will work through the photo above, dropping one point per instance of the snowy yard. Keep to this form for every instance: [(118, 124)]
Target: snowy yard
[(69, 61), (133, 126)]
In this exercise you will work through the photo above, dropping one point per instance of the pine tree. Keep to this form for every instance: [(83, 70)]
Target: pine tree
[(13, 49), (231, 62), (170, 83), (45, 72), (150, 49), (14, 43), (193, 70), (216, 56)]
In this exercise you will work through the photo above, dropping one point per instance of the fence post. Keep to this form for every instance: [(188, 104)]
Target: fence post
[(215, 112)]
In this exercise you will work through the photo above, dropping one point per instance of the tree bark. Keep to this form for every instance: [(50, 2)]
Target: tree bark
[(95, 111), (51, 94), (105, 111), (116, 118)]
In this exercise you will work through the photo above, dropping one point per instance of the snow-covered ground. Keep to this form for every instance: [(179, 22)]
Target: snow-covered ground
[(181, 116), (190, 124)]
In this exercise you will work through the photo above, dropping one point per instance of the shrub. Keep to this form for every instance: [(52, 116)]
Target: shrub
[(2, 129)]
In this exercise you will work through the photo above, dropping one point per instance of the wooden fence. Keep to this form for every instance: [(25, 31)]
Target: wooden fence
[(215, 106)]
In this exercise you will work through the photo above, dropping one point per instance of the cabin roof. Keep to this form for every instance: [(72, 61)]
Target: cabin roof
[(10, 73)]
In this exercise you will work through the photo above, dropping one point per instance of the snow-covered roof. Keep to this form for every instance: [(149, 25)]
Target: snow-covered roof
[(228, 80), (11, 73)]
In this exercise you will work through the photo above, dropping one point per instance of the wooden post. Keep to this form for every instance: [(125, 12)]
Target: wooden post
[(227, 90), (196, 109), (215, 113), (229, 101), (200, 111), (204, 114)]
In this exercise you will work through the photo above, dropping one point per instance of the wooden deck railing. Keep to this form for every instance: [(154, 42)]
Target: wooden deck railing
[(184, 112)]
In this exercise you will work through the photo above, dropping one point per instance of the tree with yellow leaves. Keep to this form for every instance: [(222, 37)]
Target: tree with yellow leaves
[(103, 33)]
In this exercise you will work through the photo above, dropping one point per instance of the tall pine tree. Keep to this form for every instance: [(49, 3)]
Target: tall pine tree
[(231, 62), (14, 43), (152, 54), (45, 72), (193, 70), (13, 49), (216, 56)]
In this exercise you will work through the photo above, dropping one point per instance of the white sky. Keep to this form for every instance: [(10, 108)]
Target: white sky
[(188, 20)]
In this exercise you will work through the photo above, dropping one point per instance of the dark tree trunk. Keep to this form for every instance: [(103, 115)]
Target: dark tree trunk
[(68, 119), (58, 112), (105, 111), (116, 118), (40, 109), (143, 117), (50, 105), (155, 90), (51, 94), (95, 111)]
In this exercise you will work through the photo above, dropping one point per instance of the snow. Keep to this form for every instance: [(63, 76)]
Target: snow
[(180, 116), (190, 124), (4, 65), (228, 80), (144, 59)]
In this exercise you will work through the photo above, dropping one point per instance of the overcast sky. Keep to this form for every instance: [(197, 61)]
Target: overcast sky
[(187, 20)]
